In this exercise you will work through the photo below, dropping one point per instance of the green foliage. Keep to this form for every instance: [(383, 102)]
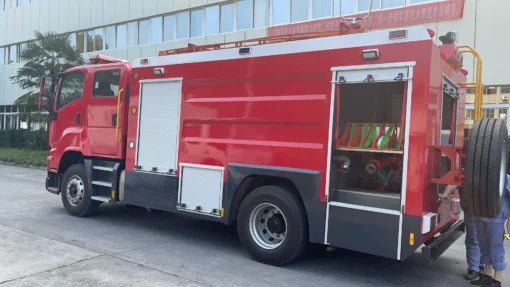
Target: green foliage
[(37, 140), (47, 55), (24, 156)]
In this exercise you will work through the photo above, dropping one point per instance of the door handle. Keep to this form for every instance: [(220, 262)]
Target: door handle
[(78, 118), (114, 119)]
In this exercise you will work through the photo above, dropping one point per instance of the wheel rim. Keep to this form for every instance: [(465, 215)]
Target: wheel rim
[(268, 226), (75, 190), (502, 170)]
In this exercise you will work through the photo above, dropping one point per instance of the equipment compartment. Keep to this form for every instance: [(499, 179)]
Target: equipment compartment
[(367, 157)]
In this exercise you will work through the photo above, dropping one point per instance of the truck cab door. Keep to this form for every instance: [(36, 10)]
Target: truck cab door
[(106, 111), (70, 111)]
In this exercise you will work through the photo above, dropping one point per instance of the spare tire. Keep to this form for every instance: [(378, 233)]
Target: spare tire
[(486, 168)]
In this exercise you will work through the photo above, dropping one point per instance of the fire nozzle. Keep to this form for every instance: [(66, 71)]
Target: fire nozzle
[(373, 166)]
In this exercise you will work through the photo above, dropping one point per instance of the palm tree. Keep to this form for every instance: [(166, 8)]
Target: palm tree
[(47, 54)]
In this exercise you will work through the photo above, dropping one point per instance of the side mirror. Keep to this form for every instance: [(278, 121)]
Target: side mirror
[(45, 92)]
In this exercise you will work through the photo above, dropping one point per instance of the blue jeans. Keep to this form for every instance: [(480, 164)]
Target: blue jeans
[(473, 255), (491, 240)]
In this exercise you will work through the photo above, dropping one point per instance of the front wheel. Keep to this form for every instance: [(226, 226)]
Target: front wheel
[(75, 192), (272, 225)]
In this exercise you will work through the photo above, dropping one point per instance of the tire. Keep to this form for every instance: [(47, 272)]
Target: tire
[(486, 168), (72, 178), (289, 207)]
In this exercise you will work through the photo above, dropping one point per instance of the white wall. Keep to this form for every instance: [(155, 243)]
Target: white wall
[(483, 26)]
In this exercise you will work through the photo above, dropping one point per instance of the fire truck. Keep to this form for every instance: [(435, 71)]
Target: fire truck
[(342, 140)]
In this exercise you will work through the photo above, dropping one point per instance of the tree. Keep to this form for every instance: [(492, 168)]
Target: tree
[(47, 54)]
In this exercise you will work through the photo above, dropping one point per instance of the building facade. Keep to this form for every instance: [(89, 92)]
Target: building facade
[(131, 29)]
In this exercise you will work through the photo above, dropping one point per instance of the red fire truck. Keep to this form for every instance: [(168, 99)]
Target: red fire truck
[(341, 140)]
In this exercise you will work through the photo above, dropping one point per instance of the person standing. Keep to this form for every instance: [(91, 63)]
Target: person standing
[(473, 256), (491, 237)]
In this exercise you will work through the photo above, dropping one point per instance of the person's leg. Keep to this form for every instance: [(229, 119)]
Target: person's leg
[(497, 250), (473, 256), (486, 277)]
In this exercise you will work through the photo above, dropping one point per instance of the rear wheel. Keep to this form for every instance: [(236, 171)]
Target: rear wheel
[(75, 192), (272, 225), (486, 168)]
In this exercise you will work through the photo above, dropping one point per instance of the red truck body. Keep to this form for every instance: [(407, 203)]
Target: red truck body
[(264, 116)]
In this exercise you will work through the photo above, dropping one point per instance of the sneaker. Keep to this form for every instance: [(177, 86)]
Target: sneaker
[(493, 283), (483, 280), (472, 275)]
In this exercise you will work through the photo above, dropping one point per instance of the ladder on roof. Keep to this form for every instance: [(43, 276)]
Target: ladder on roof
[(345, 29)]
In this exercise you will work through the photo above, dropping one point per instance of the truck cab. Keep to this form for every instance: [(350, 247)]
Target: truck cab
[(88, 111)]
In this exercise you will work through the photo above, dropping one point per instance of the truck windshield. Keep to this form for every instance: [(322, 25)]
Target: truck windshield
[(71, 89)]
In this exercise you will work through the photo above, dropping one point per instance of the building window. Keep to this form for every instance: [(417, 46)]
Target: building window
[(169, 28), (227, 18), (364, 5), (2, 56), (109, 38), (122, 36), (321, 9), (182, 25), (244, 14), (156, 30), (299, 10), (488, 113), (469, 115), (72, 39), (261, 13), (280, 12), (346, 7), (197, 23), (505, 90), (420, 1), (80, 42), (132, 34), (503, 114), (212, 20), (143, 32), (99, 39), (470, 91), (89, 44), (385, 4), (13, 54), (490, 91)]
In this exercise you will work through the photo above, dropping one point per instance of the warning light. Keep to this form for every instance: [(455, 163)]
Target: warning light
[(144, 61), (133, 110), (159, 71), (411, 239)]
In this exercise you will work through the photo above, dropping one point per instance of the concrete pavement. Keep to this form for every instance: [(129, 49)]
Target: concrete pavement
[(41, 245)]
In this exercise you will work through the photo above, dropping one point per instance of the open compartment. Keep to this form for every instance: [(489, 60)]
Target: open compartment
[(368, 155)]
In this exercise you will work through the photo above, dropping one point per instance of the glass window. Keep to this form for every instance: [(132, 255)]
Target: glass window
[(261, 13), (321, 8), (212, 20), (122, 39), (182, 25), (227, 18), (469, 115), (156, 30), (71, 89), (503, 114), (72, 39), (488, 113), (169, 29), (106, 83), (109, 38), (299, 10), (13, 54), (99, 39), (197, 23), (22, 48), (364, 5), (80, 42), (90, 41), (347, 7), (392, 3), (132, 34), (280, 12), (244, 14), (143, 35), (420, 1), (505, 90), (2, 56)]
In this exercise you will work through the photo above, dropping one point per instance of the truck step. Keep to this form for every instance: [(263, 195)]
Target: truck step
[(102, 183), (101, 198), (103, 168)]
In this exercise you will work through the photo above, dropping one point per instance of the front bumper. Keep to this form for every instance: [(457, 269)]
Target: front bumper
[(438, 245), (53, 183)]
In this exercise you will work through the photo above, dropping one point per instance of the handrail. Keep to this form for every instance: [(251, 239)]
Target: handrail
[(478, 84), (118, 116)]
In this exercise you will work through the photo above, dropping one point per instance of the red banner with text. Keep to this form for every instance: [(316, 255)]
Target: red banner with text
[(405, 16)]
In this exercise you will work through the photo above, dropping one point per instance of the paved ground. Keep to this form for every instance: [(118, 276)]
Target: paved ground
[(41, 245)]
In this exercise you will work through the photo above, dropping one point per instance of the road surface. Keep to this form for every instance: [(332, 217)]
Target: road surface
[(41, 244)]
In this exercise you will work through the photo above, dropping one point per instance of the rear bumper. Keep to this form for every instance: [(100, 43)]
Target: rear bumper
[(438, 245), (53, 183)]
